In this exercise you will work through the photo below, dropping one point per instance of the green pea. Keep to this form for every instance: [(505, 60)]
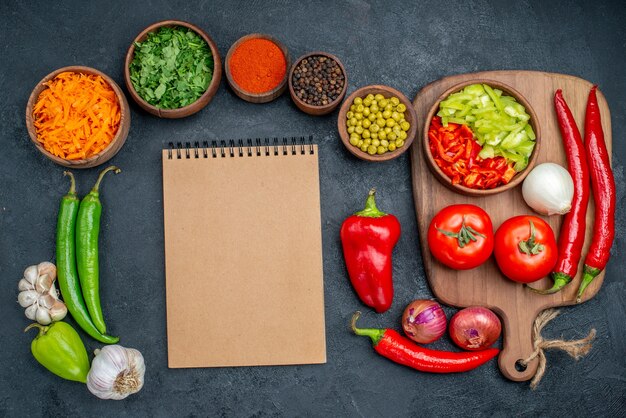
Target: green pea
[(359, 143), (402, 135), (399, 143), (387, 130), (405, 125), (365, 134), (379, 97), (374, 108), (358, 130), (367, 141), (358, 101), (358, 116), (363, 148), (384, 143), (379, 115), (392, 136), (371, 97), (360, 108), (392, 146), (374, 135), (389, 107), (359, 123), (391, 123), (350, 129), (382, 135), (374, 127), (381, 150), (353, 108), (401, 108), (394, 101), (354, 141), (367, 101), (396, 116), (387, 114), (371, 150), (382, 103), (375, 142), (366, 123), (372, 117), (366, 111), (381, 122), (352, 121), (350, 115)]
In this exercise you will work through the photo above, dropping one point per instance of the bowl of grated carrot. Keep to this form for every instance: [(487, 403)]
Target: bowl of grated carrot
[(78, 117)]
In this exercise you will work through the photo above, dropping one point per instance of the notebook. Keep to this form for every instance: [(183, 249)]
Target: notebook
[(243, 254)]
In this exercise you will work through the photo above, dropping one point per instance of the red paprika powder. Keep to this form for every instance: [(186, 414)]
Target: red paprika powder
[(258, 65)]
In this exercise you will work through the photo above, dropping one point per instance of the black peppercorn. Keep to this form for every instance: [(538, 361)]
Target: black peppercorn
[(318, 80)]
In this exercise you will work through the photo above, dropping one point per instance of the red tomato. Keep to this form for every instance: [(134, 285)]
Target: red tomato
[(525, 248), (461, 236)]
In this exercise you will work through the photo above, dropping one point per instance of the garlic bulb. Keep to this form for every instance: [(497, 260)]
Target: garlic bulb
[(549, 189), (116, 372), (39, 295)]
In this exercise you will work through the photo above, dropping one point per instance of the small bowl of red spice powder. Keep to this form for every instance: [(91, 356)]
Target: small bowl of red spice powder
[(256, 68)]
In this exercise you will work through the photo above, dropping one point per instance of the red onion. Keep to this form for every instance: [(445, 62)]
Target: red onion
[(475, 328), (424, 321)]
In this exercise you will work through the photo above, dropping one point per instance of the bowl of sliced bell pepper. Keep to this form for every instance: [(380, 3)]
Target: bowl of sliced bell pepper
[(481, 137)]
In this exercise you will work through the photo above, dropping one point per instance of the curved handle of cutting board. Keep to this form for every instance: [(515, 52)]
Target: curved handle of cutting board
[(518, 343)]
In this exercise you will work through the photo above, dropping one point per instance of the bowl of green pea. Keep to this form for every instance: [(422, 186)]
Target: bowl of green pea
[(377, 123)]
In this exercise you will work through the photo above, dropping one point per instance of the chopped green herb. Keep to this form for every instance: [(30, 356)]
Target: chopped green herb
[(172, 68)]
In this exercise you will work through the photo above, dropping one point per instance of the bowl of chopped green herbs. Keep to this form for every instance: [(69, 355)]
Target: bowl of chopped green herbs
[(172, 69)]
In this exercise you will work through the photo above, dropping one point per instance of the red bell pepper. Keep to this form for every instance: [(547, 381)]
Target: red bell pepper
[(368, 238)]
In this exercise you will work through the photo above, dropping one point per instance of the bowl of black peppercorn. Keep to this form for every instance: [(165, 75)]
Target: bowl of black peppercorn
[(317, 83)]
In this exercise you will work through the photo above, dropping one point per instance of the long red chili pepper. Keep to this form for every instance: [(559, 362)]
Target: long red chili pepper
[(572, 235), (390, 344), (603, 187)]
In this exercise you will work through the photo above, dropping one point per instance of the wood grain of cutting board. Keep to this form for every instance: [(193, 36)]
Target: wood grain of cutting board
[(485, 285)]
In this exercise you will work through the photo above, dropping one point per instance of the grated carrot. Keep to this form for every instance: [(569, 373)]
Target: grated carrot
[(77, 116)]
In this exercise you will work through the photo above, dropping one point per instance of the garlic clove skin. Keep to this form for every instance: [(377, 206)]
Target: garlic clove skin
[(57, 311), (116, 372), (25, 285), (48, 268), (31, 312), (31, 274), (46, 301), (27, 298), (43, 283), (42, 316)]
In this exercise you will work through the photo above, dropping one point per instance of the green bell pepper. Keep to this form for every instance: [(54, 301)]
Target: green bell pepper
[(59, 349)]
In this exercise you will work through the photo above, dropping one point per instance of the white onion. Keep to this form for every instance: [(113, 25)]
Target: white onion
[(549, 189)]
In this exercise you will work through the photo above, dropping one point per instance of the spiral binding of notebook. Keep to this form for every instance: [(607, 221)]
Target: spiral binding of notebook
[(241, 148)]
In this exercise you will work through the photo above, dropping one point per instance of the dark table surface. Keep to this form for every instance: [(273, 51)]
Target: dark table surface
[(382, 42)]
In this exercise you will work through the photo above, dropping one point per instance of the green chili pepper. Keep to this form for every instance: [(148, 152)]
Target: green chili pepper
[(66, 265), (59, 349), (87, 232)]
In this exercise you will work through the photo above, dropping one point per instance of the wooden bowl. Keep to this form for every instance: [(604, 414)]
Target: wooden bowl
[(264, 97), (192, 108), (311, 109), (409, 116), (519, 177), (116, 143)]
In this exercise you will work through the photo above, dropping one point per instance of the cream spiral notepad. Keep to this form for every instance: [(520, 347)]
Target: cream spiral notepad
[(243, 254)]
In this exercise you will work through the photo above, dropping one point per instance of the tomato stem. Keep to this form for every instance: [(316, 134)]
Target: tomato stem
[(530, 246), (465, 234)]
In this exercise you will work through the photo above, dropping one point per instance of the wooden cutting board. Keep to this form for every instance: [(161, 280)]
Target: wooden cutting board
[(485, 285)]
